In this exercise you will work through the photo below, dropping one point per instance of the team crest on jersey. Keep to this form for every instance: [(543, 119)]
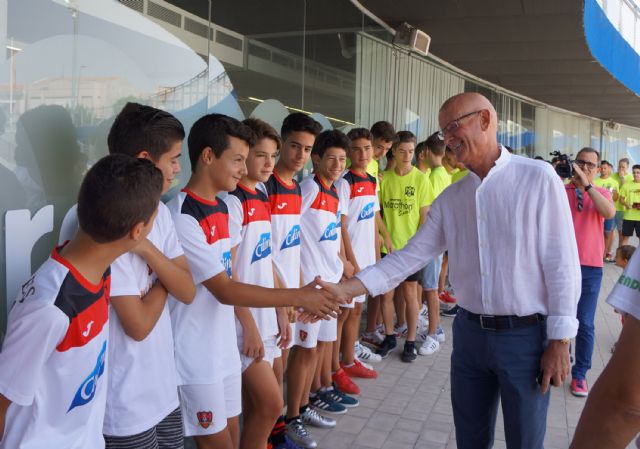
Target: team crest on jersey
[(366, 212), (331, 233), (303, 335), (292, 239), (226, 262), (263, 248), (205, 419), (409, 190), (88, 388)]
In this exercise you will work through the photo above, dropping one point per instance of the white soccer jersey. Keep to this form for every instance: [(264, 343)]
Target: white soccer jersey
[(320, 233), (142, 378), (285, 201), (358, 194), (52, 364), (250, 231), (204, 331)]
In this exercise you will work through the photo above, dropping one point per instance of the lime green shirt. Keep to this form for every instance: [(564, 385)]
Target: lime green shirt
[(373, 168), (628, 177), (610, 184), (457, 176), (439, 179), (631, 193), (401, 198)]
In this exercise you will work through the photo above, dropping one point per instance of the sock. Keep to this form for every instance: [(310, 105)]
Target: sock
[(278, 432), (325, 389), (293, 418), (409, 343), (349, 365)]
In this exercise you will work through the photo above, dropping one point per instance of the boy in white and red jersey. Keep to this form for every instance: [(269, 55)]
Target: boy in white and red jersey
[(358, 192), (257, 328), (53, 364), (298, 133), (320, 253), (207, 357), (143, 409)]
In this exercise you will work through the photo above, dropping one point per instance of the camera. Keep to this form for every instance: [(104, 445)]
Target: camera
[(564, 169)]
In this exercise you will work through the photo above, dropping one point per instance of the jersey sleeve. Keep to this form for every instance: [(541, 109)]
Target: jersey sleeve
[(309, 192), (123, 276), (344, 195), (236, 217), (171, 246), (204, 261), (34, 330), (625, 295)]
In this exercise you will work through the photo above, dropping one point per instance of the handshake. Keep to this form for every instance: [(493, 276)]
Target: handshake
[(320, 300)]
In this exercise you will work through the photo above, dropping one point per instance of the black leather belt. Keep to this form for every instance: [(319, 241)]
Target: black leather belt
[(503, 322)]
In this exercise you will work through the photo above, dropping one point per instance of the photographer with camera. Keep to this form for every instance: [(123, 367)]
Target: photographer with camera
[(589, 205), (630, 200)]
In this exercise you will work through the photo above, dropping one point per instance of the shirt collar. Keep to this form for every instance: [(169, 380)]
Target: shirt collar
[(499, 164)]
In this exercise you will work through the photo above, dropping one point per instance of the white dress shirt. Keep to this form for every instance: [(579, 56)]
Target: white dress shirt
[(512, 248)]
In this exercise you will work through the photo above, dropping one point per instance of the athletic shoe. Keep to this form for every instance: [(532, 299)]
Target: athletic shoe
[(358, 370), (388, 345), (400, 331), (409, 353), (446, 297), (343, 398), (365, 354), (322, 402), (344, 382), (374, 338), (430, 346), (298, 433), (579, 388), (440, 335), (423, 318), (450, 312), (288, 443)]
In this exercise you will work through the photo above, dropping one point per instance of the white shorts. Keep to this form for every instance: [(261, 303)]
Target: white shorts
[(206, 408), (306, 334), (361, 299), (328, 330), (271, 351)]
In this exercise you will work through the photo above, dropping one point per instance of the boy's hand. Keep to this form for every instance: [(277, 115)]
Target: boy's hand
[(389, 245), (252, 345), (291, 314), (284, 329), (337, 291), (142, 248)]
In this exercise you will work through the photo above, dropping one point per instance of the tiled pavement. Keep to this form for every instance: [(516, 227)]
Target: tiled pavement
[(409, 404)]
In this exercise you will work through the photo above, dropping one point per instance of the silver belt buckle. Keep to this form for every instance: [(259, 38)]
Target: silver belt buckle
[(482, 317)]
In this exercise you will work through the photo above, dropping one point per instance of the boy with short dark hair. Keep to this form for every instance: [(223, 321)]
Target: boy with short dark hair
[(207, 356), (52, 366)]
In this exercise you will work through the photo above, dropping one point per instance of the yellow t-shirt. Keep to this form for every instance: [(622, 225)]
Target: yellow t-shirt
[(373, 168), (628, 177), (631, 193), (439, 179), (610, 184), (457, 176), (401, 198)]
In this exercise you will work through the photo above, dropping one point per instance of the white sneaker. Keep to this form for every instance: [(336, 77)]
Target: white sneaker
[(365, 354), (430, 346), (421, 336), (400, 331), (440, 335)]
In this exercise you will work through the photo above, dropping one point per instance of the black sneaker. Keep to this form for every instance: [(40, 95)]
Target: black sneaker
[(388, 345), (409, 353), (450, 312)]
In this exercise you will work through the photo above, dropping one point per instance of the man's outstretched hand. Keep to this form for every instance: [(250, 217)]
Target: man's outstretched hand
[(345, 291)]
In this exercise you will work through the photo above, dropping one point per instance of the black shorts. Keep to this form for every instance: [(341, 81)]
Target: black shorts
[(628, 226), (415, 277)]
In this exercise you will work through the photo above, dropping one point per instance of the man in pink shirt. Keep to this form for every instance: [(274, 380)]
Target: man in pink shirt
[(590, 205)]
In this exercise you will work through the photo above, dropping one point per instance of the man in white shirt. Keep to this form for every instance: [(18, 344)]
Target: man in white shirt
[(514, 266)]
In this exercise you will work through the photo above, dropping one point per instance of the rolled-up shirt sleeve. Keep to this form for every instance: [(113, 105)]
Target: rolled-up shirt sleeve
[(394, 268), (560, 262)]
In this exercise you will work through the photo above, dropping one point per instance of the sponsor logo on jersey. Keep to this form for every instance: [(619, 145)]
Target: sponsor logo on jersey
[(251, 211), (292, 239), (366, 212), (226, 262), (282, 205), (331, 233), (86, 333), (303, 335), (409, 190), (88, 388), (205, 419), (359, 189), (263, 248)]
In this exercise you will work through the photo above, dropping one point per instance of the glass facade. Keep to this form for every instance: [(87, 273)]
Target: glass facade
[(68, 66)]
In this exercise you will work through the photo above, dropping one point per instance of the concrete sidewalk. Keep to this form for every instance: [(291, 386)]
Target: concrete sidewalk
[(409, 405)]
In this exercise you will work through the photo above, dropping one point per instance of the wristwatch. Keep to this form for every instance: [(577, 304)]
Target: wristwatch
[(588, 187)]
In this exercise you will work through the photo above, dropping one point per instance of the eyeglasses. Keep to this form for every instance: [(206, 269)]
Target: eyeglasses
[(453, 125), (582, 164)]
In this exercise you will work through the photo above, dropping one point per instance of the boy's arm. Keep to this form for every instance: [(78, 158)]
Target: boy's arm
[(346, 244), (173, 273), (252, 345), (138, 315), (384, 232), (4, 405)]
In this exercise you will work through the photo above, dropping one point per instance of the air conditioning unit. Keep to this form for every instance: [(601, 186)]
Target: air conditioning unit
[(412, 39), (612, 125)]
